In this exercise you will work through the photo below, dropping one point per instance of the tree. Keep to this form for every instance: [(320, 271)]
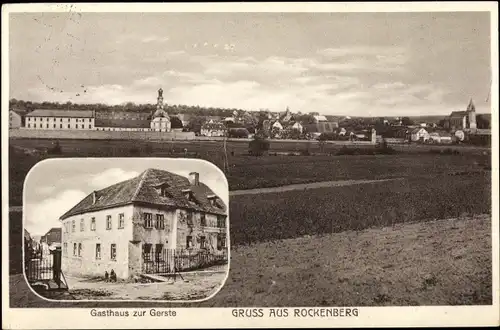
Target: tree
[(258, 146), (406, 121), (175, 122), (195, 123), (482, 122)]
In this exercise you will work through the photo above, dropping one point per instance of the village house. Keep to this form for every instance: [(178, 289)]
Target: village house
[(319, 118), (277, 125), (419, 134), (17, 118), (440, 137), (129, 225), (213, 128), (321, 127), (28, 246), (60, 119), (51, 240)]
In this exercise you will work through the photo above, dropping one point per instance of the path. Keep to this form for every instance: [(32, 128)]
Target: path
[(304, 186)]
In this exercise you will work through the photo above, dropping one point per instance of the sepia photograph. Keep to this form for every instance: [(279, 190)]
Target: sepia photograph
[(246, 159)]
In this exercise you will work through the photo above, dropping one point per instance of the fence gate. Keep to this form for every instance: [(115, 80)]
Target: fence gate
[(45, 270)]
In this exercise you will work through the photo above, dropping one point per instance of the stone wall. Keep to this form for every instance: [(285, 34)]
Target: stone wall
[(98, 135)]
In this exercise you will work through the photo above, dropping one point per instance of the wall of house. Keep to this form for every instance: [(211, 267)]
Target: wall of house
[(15, 120), (209, 231), (59, 123), (161, 124), (87, 263)]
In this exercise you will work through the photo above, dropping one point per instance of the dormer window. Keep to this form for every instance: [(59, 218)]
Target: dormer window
[(213, 200), (188, 194), (162, 190)]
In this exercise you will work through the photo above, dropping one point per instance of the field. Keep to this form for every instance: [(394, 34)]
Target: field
[(444, 262), (246, 172), (330, 210), (330, 245)]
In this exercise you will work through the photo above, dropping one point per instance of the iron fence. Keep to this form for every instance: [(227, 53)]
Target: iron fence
[(181, 260)]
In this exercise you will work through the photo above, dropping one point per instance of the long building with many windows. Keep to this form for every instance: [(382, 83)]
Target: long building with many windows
[(129, 226), (60, 119)]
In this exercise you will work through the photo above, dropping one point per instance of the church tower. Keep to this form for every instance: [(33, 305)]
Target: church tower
[(160, 121)]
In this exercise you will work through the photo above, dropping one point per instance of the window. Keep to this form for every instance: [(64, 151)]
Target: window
[(76, 126), (121, 220), (113, 252), (74, 249), (92, 224), (34, 126), (148, 220), (68, 125), (213, 201), (98, 251), (65, 249), (82, 225), (47, 125), (146, 251), (189, 218), (221, 241), (90, 126), (60, 125), (54, 125), (221, 221), (108, 222), (79, 249), (189, 242), (203, 242), (158, 252), (73, 226), (160, 221), (203, 220), (28, 125)]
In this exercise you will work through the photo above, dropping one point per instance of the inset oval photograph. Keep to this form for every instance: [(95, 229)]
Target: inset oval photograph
[(126, 229)]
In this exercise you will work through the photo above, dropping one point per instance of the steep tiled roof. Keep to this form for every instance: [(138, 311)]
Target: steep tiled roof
[(20, 112), (123, 123), (458, 114), (142, 189), (215, 125), (61, 113), (27, 235)]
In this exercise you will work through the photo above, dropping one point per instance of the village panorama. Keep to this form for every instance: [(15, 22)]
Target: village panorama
[(251, 159)]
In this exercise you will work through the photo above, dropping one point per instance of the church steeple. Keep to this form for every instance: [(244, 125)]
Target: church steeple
[(471, 106), (160, 112)]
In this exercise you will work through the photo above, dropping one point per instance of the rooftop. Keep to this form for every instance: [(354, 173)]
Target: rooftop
[(61, 113), (143, 190), (122, 123)]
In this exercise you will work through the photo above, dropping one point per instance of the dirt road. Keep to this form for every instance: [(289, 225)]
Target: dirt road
[(304, 186)]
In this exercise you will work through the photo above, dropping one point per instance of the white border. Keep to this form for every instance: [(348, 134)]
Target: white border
[(222, 317)]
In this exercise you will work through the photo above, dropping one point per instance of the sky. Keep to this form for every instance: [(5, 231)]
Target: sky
[(356, 64), (54, 186)]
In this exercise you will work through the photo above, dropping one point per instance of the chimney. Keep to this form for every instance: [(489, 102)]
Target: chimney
[(194, 178), (94, 197)]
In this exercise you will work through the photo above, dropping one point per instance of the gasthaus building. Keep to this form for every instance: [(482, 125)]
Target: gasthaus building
[(133, 224)]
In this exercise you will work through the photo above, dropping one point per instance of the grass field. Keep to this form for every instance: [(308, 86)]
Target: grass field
[(330, 245), (290, 214), (247, 172)]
